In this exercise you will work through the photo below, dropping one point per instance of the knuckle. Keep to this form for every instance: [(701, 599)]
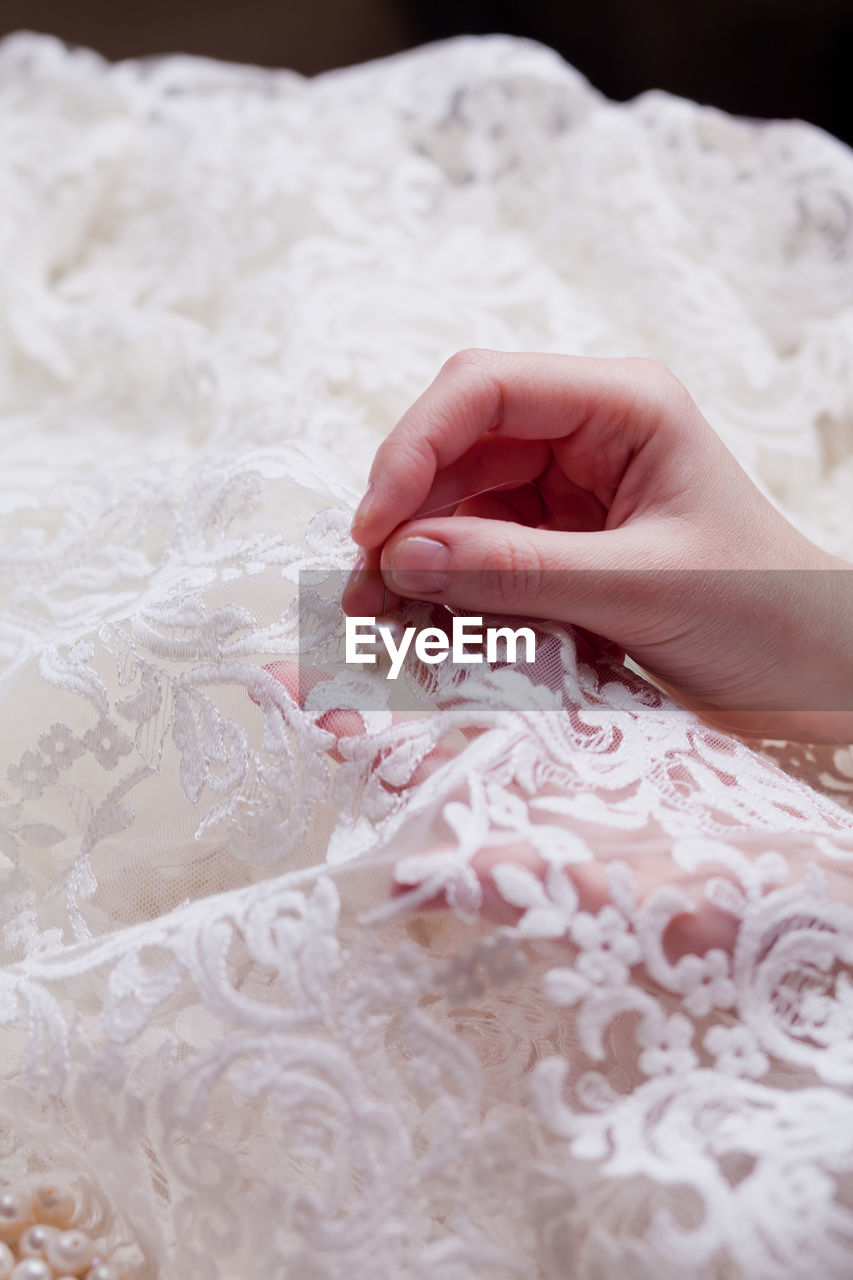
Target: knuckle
[(515, 573), (415, 452), (461, 361), (477, 393), (652, 373), (397, 459), (658, 386)]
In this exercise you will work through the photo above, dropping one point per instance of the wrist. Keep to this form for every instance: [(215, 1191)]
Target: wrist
[(813, 674)]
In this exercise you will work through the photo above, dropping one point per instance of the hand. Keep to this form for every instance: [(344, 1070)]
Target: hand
[(593, 492), (673, 906)]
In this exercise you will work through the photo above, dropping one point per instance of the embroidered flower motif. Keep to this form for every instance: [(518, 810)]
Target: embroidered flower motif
[(705, 983), (32, 774), (607, 947), (60, 745), (107, 742), (737, 1051), (666, 1046)]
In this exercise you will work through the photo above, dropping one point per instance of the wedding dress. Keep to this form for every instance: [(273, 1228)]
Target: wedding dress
[(224, 1029)]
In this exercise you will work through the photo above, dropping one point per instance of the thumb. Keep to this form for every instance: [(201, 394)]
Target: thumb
[(592, 580)]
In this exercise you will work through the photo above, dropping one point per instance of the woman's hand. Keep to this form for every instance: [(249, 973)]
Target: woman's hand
[(593, 492)]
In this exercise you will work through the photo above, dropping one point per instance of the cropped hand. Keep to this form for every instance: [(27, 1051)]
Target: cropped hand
[(593, 492)]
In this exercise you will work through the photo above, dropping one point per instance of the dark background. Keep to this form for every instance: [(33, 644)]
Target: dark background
[(753, 57)]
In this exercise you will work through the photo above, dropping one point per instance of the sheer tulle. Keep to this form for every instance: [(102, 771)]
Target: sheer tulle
[(229, 1017)]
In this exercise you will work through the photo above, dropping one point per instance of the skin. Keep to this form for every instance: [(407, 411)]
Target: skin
[(615, 507), (694, 930)]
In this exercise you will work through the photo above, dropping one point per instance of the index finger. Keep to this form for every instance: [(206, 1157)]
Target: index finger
[(516, 394)]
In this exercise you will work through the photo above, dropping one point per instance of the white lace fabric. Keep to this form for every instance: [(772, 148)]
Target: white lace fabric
[(221, 286)]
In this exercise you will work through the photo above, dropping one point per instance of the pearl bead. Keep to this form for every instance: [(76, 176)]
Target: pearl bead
[(7, 1261), (70, 1251), (53, 1203), (32, 1269), (394, 630), (33, 1243), (16, 1214), (104, 1271)]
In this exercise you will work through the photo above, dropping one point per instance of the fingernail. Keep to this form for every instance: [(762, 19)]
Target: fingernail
[(419, 566), (363, 509), (357, 571)]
